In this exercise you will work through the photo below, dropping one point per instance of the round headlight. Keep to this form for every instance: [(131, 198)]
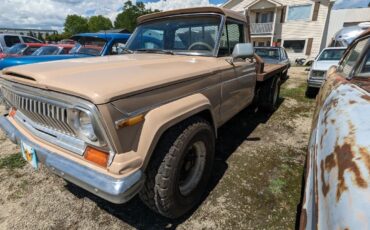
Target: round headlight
[(86, 126)]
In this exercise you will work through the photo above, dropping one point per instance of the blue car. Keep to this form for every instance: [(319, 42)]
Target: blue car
[(87, 45)]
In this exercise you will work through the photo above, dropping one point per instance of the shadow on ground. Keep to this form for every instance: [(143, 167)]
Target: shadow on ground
[(230, 137)]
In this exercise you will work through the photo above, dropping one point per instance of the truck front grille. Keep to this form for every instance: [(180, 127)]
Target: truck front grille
[(42, 113)]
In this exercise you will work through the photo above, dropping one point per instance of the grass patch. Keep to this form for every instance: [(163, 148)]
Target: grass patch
[(298, 93), (12, 161), (276, 186)]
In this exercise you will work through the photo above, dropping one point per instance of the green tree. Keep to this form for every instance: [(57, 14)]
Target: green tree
[(97, 23), (39, 36), (75, 24), (127, 18)]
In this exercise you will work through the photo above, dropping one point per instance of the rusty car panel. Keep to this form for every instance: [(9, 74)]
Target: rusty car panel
[(338, 165)]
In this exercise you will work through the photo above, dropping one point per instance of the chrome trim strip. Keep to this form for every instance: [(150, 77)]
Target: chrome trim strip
[(115, 190), (65, 141)]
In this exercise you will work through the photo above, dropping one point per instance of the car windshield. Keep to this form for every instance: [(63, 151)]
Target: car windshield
[(88, 45), (181, 35), (267, 53), (46, 50), (331, 55), (16, 49)]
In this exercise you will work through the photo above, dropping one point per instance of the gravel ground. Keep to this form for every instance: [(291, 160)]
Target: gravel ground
[(256, 182)]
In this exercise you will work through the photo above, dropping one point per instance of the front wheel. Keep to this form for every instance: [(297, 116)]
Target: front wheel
[(181, 166), (311, 92)]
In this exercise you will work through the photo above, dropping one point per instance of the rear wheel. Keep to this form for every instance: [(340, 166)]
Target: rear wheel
[(270, 94), (181, 166)]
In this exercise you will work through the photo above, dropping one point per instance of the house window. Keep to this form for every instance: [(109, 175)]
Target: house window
[(264, 17), (301, 12), (294, 46)]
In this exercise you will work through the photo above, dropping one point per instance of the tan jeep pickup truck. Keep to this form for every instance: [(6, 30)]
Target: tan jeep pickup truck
[(144, 122)]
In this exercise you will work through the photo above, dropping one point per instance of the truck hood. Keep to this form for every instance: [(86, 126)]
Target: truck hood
[(23, 60), (105, 79), (323, 65)]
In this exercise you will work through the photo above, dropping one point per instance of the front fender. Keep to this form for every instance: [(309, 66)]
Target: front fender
[(157, 121), (337, 188)]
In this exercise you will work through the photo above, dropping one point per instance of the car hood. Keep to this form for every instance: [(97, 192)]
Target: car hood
[(323, 65), (105, 79), (14, 61)]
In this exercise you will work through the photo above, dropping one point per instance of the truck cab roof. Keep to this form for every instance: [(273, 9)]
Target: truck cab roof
[(206, 10)]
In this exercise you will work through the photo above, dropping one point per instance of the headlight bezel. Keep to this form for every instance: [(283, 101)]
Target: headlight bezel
[(96, 138)]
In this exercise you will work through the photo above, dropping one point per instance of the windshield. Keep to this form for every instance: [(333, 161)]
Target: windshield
[(16, 49), (46, 50), (181, 35), (267, 53), (88, 45), (331, 55)]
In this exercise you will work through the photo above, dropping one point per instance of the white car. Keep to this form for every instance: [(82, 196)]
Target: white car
[(327, 58), (8, 40)]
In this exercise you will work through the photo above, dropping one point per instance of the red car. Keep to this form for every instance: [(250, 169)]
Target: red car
[(21, 49), (53, 49)]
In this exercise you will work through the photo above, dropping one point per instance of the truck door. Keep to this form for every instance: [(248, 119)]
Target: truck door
[(238, 82)]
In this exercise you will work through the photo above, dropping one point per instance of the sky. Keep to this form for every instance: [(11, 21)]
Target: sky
[(50, 14)]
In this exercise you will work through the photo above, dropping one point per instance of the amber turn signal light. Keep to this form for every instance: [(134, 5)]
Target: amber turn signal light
[(131, 121), (96, 156), (12, 112)]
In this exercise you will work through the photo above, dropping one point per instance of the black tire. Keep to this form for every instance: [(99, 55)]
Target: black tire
[(311, 92), (285, 76), (164, 190), (269, 95)]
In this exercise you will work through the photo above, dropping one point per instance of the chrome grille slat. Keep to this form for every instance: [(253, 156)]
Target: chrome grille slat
[(45, 114)]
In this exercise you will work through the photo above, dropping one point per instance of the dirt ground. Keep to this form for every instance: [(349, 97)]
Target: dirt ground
[(256, 182)]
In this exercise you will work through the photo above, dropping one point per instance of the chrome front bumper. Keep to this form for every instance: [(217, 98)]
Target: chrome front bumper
[(315, 83), (115, 190)]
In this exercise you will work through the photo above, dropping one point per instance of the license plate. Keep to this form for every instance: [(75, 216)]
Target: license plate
[(29, 154)]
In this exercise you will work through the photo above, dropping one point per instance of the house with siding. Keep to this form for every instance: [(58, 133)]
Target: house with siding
[(300, 26)]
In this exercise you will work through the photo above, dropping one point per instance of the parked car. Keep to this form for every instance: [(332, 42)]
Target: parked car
[(274, 55), (145, 122), (87, 45), (21, 49), (53, 50), (317, 74), (8, 40), (337, 187)]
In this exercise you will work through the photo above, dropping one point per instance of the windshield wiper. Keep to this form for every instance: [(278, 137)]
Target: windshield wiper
[(128, 51), (156, 51)]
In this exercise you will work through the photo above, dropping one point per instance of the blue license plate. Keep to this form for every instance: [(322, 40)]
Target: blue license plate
[(29, 154)]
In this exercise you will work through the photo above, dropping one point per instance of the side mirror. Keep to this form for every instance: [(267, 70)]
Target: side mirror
[(243, 51)]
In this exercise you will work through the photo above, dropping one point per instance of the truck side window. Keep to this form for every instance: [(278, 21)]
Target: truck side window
[(232, 34), (364, 70), (352, 57)]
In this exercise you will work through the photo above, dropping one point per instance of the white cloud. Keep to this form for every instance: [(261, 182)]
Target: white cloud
[(50, 14)]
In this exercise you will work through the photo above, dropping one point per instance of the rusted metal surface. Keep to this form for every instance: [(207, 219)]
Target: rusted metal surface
[(271, 70), (337, 191)]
